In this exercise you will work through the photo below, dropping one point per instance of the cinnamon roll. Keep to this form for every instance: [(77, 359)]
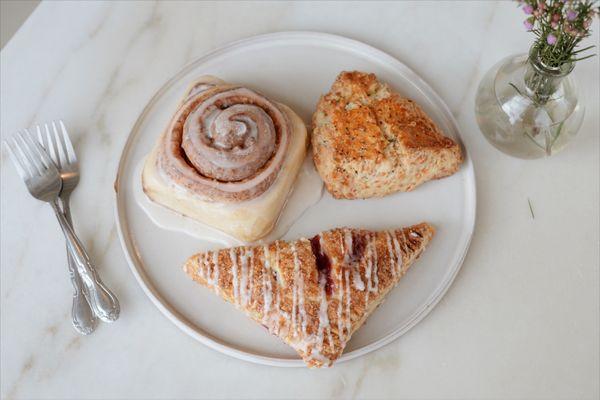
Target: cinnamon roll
[(228, 158)]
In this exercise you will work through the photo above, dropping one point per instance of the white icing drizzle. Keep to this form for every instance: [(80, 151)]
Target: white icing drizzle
[(205, 273), (301, 306), (368, 269), (299, 295), (234, 276), (356, 278), (243, 283), (347, 248), (405, 242), (391, 256), (329, 337), (317, 352), (251, 277), (343, 315), (375, 262), (348, 315), (340, 298), (398, 251), (200, 270), (321, 244), (286, 316), (267, 286)]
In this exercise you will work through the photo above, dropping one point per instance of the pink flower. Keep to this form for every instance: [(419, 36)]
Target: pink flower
[(528, 9), (571, 15), (541, 6), (554, 24), (587, 23), (568, 28), (551, 39), (528, 25), (556, 17)]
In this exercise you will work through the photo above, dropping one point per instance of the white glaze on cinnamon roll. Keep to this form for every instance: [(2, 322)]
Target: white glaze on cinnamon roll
[(225, 143)]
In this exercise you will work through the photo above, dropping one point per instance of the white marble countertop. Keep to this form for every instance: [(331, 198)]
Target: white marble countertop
[(520, 321)]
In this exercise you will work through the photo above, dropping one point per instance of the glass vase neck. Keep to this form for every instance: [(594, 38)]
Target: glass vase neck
[(542, 80)]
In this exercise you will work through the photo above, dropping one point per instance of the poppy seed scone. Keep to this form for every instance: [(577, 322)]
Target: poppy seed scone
[(369, 141)]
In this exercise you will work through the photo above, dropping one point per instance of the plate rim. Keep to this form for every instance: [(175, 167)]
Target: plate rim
[(214, 343)]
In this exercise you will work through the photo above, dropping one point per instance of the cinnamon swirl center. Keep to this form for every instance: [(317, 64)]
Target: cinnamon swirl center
[(225, 143)]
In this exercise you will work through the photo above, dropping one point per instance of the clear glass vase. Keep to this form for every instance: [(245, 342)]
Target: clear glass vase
[(527, 109)]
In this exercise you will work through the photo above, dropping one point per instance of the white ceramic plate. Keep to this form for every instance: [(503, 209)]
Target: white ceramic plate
[(295, 68)]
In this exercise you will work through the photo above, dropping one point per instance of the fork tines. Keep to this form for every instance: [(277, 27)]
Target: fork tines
[(58, 144), (29, 157)]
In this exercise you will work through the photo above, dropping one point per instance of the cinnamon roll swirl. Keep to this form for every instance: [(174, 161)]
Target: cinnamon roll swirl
[(226, 145)]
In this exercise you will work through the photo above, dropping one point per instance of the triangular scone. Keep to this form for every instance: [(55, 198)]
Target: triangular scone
[(368, 141), (313, 293)]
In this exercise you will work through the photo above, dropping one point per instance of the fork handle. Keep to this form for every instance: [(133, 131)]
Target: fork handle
[(102, 301), (82, 316)]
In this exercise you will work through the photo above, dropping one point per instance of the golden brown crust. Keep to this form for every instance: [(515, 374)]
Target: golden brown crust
[(368, 141), (313, 293)]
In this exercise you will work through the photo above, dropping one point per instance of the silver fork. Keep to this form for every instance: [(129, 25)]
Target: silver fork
[(82, 316), (101, 300), (44, 182)]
